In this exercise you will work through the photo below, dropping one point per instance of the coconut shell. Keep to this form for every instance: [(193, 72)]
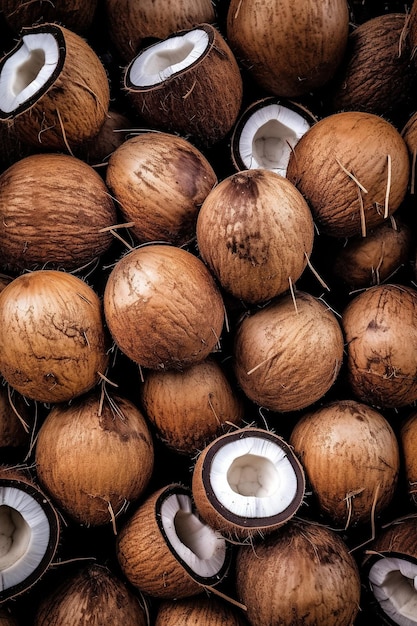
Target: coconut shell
[(289, 48), (52, 336), (191, 407), (351, 457), (377, 74), (308, 577), (202, 101), (173, 286), (201, 609), (111, 452), (395, 539), (160, 181), (133, 24), (353, 169), (89, 597), (255, 231), (408, 443), (147, 559), (55, 213), (289, 353), (381, 345), (51, 119)]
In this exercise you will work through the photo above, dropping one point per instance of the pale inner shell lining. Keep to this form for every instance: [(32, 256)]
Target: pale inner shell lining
[(253, 477), (196, 543), (160, 61), (27, 70), (268, 137), (394, 582)]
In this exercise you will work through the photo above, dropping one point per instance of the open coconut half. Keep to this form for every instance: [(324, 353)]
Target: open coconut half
[(45, 80), (29, 533), (167, 551), (390, 565), (247, 481), (266, 132)]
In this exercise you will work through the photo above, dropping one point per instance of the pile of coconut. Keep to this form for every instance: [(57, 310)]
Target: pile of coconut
[(208, 313)]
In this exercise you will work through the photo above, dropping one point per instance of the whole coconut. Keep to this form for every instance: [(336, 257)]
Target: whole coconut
[(353, 169), (381, 345), (288, 354), (255, 231)]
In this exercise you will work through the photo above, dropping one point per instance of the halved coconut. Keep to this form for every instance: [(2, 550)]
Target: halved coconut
[(166, 551), (390, 565), (46, 80), (247, 481), (266, 132), (30, 532), (188, 83)]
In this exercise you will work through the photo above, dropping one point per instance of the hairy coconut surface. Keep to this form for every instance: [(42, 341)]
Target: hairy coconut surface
[(163, 307), (160, 181), (201, 609), (55, 213), (247, 482), (301, 574), (191, 407), (288, 354), (371, 260), (76, 15), (353, 168), (381, 337), (189, 83), (408, 444), (133, 24), (48, 76), (52, 336), (255, 231), (351, 457), (289, 48), (112, 457), (166, 551), (90, 596), (377, 74)]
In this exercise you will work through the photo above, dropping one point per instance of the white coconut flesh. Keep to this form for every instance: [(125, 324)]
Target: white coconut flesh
[(24, 536), (162, 60), (269, 135), (253, 477), (28, 70), (393, 582), (201, 548)]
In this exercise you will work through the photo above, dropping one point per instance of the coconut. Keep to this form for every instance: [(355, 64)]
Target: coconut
[(163, 307), (189, 408), (115, 130), (160, 181), (289, 48), (55, 213), (188, 83), (266, 132), (166, 551), (389, 568), (76, 15), (371, 260), (132, 25), (247, 482), (377, 74), (289, 353), (89, 596), (303, 573), (111, 450), (408, 444), (381, 345), (52, 336), (202, 609), (351, 457), (255, 231), (30, 532), (50, 74), (353, 168)]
